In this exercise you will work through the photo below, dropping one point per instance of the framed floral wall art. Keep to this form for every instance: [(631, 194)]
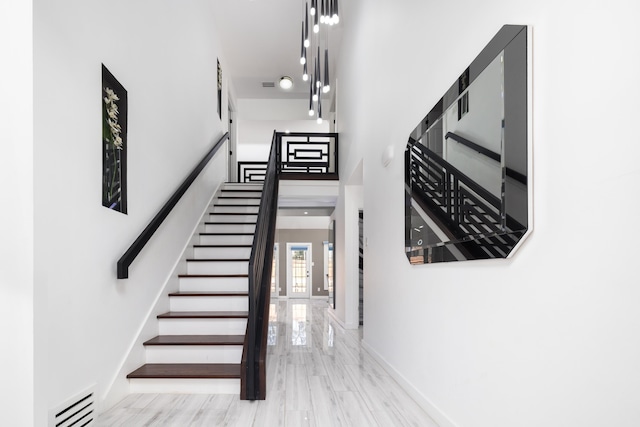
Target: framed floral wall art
[(114, 143)]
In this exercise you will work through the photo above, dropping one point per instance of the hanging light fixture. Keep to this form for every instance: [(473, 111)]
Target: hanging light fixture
[(318, 78), (316, 27), (307, 43), (311, 110), (314, 89), (312, 43), (326, 88), (303, 50)]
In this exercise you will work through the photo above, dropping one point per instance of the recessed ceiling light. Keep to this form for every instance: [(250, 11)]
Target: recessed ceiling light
[(306, 213), (286, 83)]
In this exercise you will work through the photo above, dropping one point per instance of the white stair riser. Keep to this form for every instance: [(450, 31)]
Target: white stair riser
[(246, 202), (241, 193), (232, 218), (214, 284), (209, 253), (194, 353), (229, 228), (226, 240), (185, 385), (202, 326), (212, 303), (235, 209), (217, 267), (241, 186)]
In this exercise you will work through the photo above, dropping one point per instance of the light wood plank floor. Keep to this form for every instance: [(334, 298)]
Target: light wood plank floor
[(318, 375)]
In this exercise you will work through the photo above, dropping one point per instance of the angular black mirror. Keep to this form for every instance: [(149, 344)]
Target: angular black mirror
[(466, 163)]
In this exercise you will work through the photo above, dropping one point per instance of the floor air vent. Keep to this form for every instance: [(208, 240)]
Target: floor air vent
[(80, 411)]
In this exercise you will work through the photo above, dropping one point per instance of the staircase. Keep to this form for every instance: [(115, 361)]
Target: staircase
[(200, 341)]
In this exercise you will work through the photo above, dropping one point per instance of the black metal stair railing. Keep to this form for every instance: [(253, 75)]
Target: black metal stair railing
[(251, 171), (300, 155), (460, 201), (253, 380), (467, 210)]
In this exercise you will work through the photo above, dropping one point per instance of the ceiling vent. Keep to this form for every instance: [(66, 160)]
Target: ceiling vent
[(268, 84)]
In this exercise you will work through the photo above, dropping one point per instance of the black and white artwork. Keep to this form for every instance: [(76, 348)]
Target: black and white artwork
[(114, 143)]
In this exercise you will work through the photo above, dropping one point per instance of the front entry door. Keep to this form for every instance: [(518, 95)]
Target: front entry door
[(298, 270)]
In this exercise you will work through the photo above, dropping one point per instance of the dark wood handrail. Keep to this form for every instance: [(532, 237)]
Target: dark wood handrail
[(253, 379), (130, 255), (479, 148), (495, 156)]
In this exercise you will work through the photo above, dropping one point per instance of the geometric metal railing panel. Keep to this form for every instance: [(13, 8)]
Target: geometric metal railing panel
[(300, 155)]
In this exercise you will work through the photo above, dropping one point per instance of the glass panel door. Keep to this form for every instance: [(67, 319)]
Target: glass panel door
[(298, 270)]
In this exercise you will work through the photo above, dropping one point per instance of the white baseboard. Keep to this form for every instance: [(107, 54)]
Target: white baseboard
[(429, 407), (332, 313)]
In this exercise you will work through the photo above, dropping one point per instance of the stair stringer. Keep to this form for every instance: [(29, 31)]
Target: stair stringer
[(152, 377), (120, 385)]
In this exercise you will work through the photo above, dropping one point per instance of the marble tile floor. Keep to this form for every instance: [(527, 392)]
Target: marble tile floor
[(317, 375)]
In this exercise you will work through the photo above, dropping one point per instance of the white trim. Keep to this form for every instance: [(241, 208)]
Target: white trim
[(325, 249), (107, 399), (333, 315), (345, 325), (325, 297), (430, 408), (276, 254)]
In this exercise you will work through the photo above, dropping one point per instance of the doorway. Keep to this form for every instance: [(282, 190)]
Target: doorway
[(298, 270)]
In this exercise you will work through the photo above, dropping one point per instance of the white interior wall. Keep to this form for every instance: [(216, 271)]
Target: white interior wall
[(548, 337), (168, 66), (17, 389), (258, 118), (255, 136), (273, 109), (350, 201)]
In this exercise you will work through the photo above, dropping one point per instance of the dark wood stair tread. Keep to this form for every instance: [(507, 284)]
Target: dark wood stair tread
[(226, 234), (241, 189), (209, 294), (187, 370), (204, 315), (204, 276), (196, 340), (235, 205), (222, 246), (240, 197), (218, 260), (233, 213), (229, 223)]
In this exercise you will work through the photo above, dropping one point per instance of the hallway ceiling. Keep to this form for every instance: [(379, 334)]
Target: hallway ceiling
[(261, 43)]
